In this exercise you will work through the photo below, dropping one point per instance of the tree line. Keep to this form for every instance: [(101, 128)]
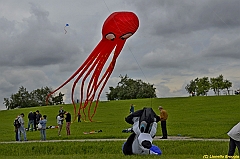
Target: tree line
[(23, 98), (128, 88), (201, 86)]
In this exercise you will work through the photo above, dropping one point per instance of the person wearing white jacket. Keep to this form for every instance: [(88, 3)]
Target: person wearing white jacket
[(234, 142), (60, 119)]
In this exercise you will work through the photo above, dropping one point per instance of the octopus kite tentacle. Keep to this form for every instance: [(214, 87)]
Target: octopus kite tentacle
[(118, 27), (106, 77)]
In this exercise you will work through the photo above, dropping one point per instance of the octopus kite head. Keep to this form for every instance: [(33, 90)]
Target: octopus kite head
[(120, 25)]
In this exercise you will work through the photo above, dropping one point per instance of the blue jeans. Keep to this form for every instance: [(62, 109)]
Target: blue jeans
[(22, 130), (31, 123), (43, 134)]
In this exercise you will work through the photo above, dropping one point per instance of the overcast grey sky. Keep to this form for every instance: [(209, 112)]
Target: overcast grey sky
[(177, 41)]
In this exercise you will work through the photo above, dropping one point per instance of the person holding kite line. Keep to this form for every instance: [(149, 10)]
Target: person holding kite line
[(163, 119)]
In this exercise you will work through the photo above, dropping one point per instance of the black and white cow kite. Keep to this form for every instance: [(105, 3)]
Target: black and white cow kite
[(144, 123)]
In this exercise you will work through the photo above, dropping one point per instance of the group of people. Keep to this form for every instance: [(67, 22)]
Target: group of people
[(38, 122), (35, 118), (60, 119)]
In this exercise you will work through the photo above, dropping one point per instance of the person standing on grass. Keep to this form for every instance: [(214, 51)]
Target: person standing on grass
[(43, 122), (16, 126), (38, 116), (68, 122), (234, 140), (21, 129), (35, 120), (131, 108), (30, 121), (163, 119), (79, 117), (60, 119)]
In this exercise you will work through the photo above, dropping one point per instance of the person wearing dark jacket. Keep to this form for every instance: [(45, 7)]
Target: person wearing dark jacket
[(38, 116), (68, 122), (16, 126), (31, 121), (35, 120), (79, 117)]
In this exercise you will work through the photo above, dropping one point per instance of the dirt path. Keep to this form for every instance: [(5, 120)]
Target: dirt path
[(157, 138), (175, 138)]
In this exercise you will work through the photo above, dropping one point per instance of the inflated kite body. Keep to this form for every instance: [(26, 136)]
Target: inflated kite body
[(117, 28), (144, 129)]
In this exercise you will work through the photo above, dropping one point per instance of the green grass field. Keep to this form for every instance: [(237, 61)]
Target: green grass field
[(197, 117)]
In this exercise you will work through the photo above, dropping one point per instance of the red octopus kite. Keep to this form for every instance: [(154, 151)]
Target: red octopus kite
[(117, 28)]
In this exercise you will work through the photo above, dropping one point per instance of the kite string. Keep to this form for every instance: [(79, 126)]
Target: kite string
[(65, 30), (106, 6)]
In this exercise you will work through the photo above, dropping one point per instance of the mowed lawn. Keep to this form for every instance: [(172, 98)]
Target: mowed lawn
[(197, 117)]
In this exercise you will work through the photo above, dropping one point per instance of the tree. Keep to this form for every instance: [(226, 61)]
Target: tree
[(128, 88), (202, 85), (226, 85), (192, 87), (37, 97), (58, 99), (219, 83)]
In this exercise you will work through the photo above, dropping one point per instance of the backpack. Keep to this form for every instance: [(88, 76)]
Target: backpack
[(16, 123)]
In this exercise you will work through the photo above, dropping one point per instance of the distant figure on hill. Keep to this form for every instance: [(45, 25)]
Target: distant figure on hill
[(237, 92), (61, 110), (131, 108), (79, 117), (163, 119), (234, 140)]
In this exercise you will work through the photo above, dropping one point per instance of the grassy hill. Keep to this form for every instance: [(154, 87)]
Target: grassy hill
[(201, 117)]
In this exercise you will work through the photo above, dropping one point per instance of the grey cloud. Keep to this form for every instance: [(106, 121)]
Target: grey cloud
[(181, 17), (38, 44), (174, 55), (224, 48)]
